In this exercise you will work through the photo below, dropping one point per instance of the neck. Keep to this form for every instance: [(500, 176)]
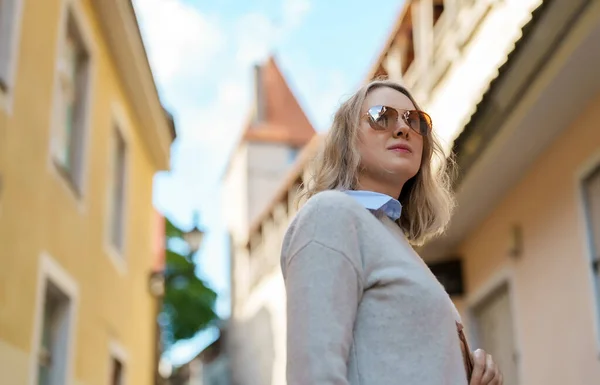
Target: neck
[(370, 184)]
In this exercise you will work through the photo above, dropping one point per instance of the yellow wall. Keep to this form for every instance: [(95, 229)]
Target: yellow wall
[(553, 292), (38, 213)]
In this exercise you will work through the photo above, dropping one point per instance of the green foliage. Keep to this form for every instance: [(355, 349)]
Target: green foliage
[(188, 304), (172, 231)]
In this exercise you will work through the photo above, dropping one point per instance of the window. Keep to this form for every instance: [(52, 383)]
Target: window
[(118, 364), (293, 154), (405, 43), (116, 372), (71, 98), (9, 17), (117, 185), (52, 351), (259, 114), (438, 9), (591, 191)]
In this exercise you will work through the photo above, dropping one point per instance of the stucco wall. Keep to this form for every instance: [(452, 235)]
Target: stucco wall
[(40, 214), (553, 301), (268, 164), (235, 194)]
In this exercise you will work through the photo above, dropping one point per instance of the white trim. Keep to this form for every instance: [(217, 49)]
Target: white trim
[(584, 171), (122, 119), (116, 258), (118, 351), (50, 270), (16, 19), (122, 37), (74, 8), (119, 121), (503, 276)]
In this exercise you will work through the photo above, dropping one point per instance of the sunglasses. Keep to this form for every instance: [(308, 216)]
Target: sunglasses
[(383, 118)]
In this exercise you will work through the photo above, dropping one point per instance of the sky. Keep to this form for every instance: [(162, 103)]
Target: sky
[(201, 54)]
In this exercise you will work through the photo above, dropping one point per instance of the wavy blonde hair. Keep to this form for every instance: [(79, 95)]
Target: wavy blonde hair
[(427, 199)]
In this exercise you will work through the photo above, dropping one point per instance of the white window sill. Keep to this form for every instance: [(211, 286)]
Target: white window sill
[(4, 99), (117, 259), (65, 181)]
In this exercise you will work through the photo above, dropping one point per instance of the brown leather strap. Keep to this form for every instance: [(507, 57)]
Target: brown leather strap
[(464, 345)]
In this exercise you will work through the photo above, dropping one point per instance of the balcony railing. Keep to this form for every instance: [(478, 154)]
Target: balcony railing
[(451, 34)]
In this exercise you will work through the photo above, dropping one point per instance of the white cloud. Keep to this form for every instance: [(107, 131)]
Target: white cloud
[(294, 12), (328, 96), (322, 89), (219, 122), (258, 35), (180, 40)]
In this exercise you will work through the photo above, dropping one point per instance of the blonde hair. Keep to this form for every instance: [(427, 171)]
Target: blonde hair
[(427, 199)]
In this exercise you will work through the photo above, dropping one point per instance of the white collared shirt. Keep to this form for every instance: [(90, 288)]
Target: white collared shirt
[(377, 201)]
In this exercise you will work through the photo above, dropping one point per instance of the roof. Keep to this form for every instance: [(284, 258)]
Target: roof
[(284, 120), (404, 20), (482, 126), (120, 29), (171, 120)]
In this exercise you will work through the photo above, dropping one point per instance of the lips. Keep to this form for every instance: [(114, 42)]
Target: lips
[(400, 147)]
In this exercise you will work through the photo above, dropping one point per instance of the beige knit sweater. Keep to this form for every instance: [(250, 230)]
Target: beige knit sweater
[(362, 306)]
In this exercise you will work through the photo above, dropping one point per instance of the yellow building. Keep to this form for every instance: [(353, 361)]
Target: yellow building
[(82, 133)]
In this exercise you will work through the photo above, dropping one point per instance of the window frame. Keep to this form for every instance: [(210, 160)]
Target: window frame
[(504, 277), (292, 155), (118, 188), (120, 123), (587, 170), (50, 271), (117, 352), (10, 23), (75, 182)]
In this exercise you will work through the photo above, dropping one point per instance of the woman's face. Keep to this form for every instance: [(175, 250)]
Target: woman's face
[(388, 156)]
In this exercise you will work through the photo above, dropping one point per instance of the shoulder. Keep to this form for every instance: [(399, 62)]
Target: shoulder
[(331, 204), (328, 224), (329, 218)]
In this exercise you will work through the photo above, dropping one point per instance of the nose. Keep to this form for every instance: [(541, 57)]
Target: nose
[(401, 129)]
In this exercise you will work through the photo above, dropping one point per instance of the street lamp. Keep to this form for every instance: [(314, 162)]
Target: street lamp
[(195, 236), (156, 284)]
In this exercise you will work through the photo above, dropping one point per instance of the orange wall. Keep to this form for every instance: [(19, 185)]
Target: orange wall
[(553, 292)]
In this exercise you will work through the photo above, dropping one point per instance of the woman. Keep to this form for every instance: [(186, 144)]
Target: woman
[(363, 307)]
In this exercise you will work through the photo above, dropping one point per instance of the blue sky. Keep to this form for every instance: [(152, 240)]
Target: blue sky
[(202, 54)]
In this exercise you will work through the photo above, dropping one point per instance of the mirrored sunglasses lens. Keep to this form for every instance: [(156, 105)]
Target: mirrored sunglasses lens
[(376, 112), (419, 122), (382, 117), (425, 123)]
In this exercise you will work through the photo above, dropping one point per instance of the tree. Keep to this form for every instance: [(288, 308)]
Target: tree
[(188, 303)]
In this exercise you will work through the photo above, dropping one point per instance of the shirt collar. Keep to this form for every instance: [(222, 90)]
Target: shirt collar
[(377, 201)]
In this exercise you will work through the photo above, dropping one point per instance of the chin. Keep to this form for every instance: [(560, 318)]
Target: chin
[(401, 174), (402, 166)]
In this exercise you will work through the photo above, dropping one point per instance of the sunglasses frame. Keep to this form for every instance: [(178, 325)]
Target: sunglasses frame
[(403, 114)]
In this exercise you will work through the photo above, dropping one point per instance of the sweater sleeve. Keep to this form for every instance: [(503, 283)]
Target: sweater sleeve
[(323, 287)]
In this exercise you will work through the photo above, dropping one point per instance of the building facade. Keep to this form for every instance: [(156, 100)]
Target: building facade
[(527, 227), (82, 133), (513, 90), (276, 133)]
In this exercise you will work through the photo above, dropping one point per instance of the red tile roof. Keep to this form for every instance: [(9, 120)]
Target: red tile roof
[(284, 120)]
